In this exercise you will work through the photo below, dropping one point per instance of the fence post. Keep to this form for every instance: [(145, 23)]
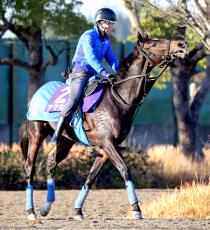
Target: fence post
[(67, 54), (10, 98), (122, 52)]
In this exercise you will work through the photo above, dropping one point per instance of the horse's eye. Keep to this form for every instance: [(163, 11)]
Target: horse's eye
[(181, 44), (154, 44)]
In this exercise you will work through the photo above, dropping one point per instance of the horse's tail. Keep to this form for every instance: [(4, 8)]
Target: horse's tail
[(23, 138)]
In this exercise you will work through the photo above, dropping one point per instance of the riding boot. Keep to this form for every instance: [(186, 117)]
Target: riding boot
[(58, 132)]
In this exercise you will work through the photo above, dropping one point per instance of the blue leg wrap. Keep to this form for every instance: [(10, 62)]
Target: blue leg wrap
[(132, 198), (29, 197), (81, 198), (50, 190)]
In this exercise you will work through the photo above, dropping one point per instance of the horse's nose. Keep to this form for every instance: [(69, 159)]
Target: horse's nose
[(182, 44)]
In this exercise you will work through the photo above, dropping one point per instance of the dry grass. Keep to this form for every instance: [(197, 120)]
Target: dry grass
[(190, 201), (175, 167), (6, 148)]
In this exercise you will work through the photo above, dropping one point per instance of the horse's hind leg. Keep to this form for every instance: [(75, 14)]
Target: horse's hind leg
[(23, 140), (97, 165), (30, 141), (53, 160)]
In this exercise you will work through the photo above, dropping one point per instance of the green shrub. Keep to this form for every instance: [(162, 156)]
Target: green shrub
[(73, 171), (11, 170)]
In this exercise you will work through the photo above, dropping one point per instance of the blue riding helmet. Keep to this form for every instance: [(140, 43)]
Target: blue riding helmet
[(106, 14)]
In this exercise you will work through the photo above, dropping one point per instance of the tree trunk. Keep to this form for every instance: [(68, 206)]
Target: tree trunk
[(186, 121), (35, 53), (35, 82)]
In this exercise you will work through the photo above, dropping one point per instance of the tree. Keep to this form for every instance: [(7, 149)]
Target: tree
[(194, 15), (191, 13), (134, 15), (186, 108), (30, 21)]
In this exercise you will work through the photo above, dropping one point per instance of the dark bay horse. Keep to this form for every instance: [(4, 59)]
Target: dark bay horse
[(106, 127)]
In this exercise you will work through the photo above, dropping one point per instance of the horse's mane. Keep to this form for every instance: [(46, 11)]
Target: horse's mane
[(127, 61)]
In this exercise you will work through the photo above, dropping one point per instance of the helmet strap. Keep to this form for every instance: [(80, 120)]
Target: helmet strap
[(102, 27)]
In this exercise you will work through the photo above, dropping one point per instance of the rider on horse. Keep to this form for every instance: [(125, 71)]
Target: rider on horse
[(92, 47)]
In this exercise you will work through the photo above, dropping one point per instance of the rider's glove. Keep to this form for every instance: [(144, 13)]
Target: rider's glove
[(106, 76), (110, 78)]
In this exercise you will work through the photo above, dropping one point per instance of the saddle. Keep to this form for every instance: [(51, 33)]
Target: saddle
[(91, 86)]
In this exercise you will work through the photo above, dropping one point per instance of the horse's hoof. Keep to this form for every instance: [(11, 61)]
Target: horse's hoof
[(45, 209), (134, 215), (31, 216), (79, 217)]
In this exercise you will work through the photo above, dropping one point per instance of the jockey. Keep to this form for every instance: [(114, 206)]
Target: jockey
[(92, 47)]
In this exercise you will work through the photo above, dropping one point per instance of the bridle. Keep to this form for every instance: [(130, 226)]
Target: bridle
[(166, 60), (164, 56)]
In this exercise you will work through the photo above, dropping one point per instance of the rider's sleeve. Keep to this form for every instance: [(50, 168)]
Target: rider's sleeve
[(88, 48), (111, 59)]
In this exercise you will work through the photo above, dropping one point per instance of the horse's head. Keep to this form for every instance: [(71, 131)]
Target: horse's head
[(159, 50)]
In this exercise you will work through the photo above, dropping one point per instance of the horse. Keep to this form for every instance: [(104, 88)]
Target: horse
[(106, 127)]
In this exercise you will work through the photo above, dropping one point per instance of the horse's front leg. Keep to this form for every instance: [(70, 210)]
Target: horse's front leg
[(97, 165), (62, 151), (114, 155)]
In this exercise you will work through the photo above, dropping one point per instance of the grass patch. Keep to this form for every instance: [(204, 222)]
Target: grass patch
[(189, 201)]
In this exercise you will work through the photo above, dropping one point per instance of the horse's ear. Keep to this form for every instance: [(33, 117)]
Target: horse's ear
[(146, 36), (139, 36)]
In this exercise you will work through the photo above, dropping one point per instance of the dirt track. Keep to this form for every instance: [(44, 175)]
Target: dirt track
[(104, 209)]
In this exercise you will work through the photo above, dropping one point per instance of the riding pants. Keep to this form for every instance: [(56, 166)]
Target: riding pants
[(77, 82)]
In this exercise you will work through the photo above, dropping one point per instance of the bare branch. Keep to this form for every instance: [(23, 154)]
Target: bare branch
[(201, 94), (17, 62), (133, 12), (197, 3), (174, 14), (201, 13), (54, 56), (61, 51), (196, 20), (21, 33), (197, 54), (3, 29)]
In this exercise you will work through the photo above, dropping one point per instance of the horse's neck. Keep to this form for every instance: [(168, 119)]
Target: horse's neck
[(131, 91)]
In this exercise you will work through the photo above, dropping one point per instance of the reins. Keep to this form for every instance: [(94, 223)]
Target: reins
[(117, 96)]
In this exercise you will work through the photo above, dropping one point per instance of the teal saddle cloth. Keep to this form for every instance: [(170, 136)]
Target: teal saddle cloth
[(49, 100)]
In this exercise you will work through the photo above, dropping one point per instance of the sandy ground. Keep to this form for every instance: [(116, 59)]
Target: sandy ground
[(104, 209)]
